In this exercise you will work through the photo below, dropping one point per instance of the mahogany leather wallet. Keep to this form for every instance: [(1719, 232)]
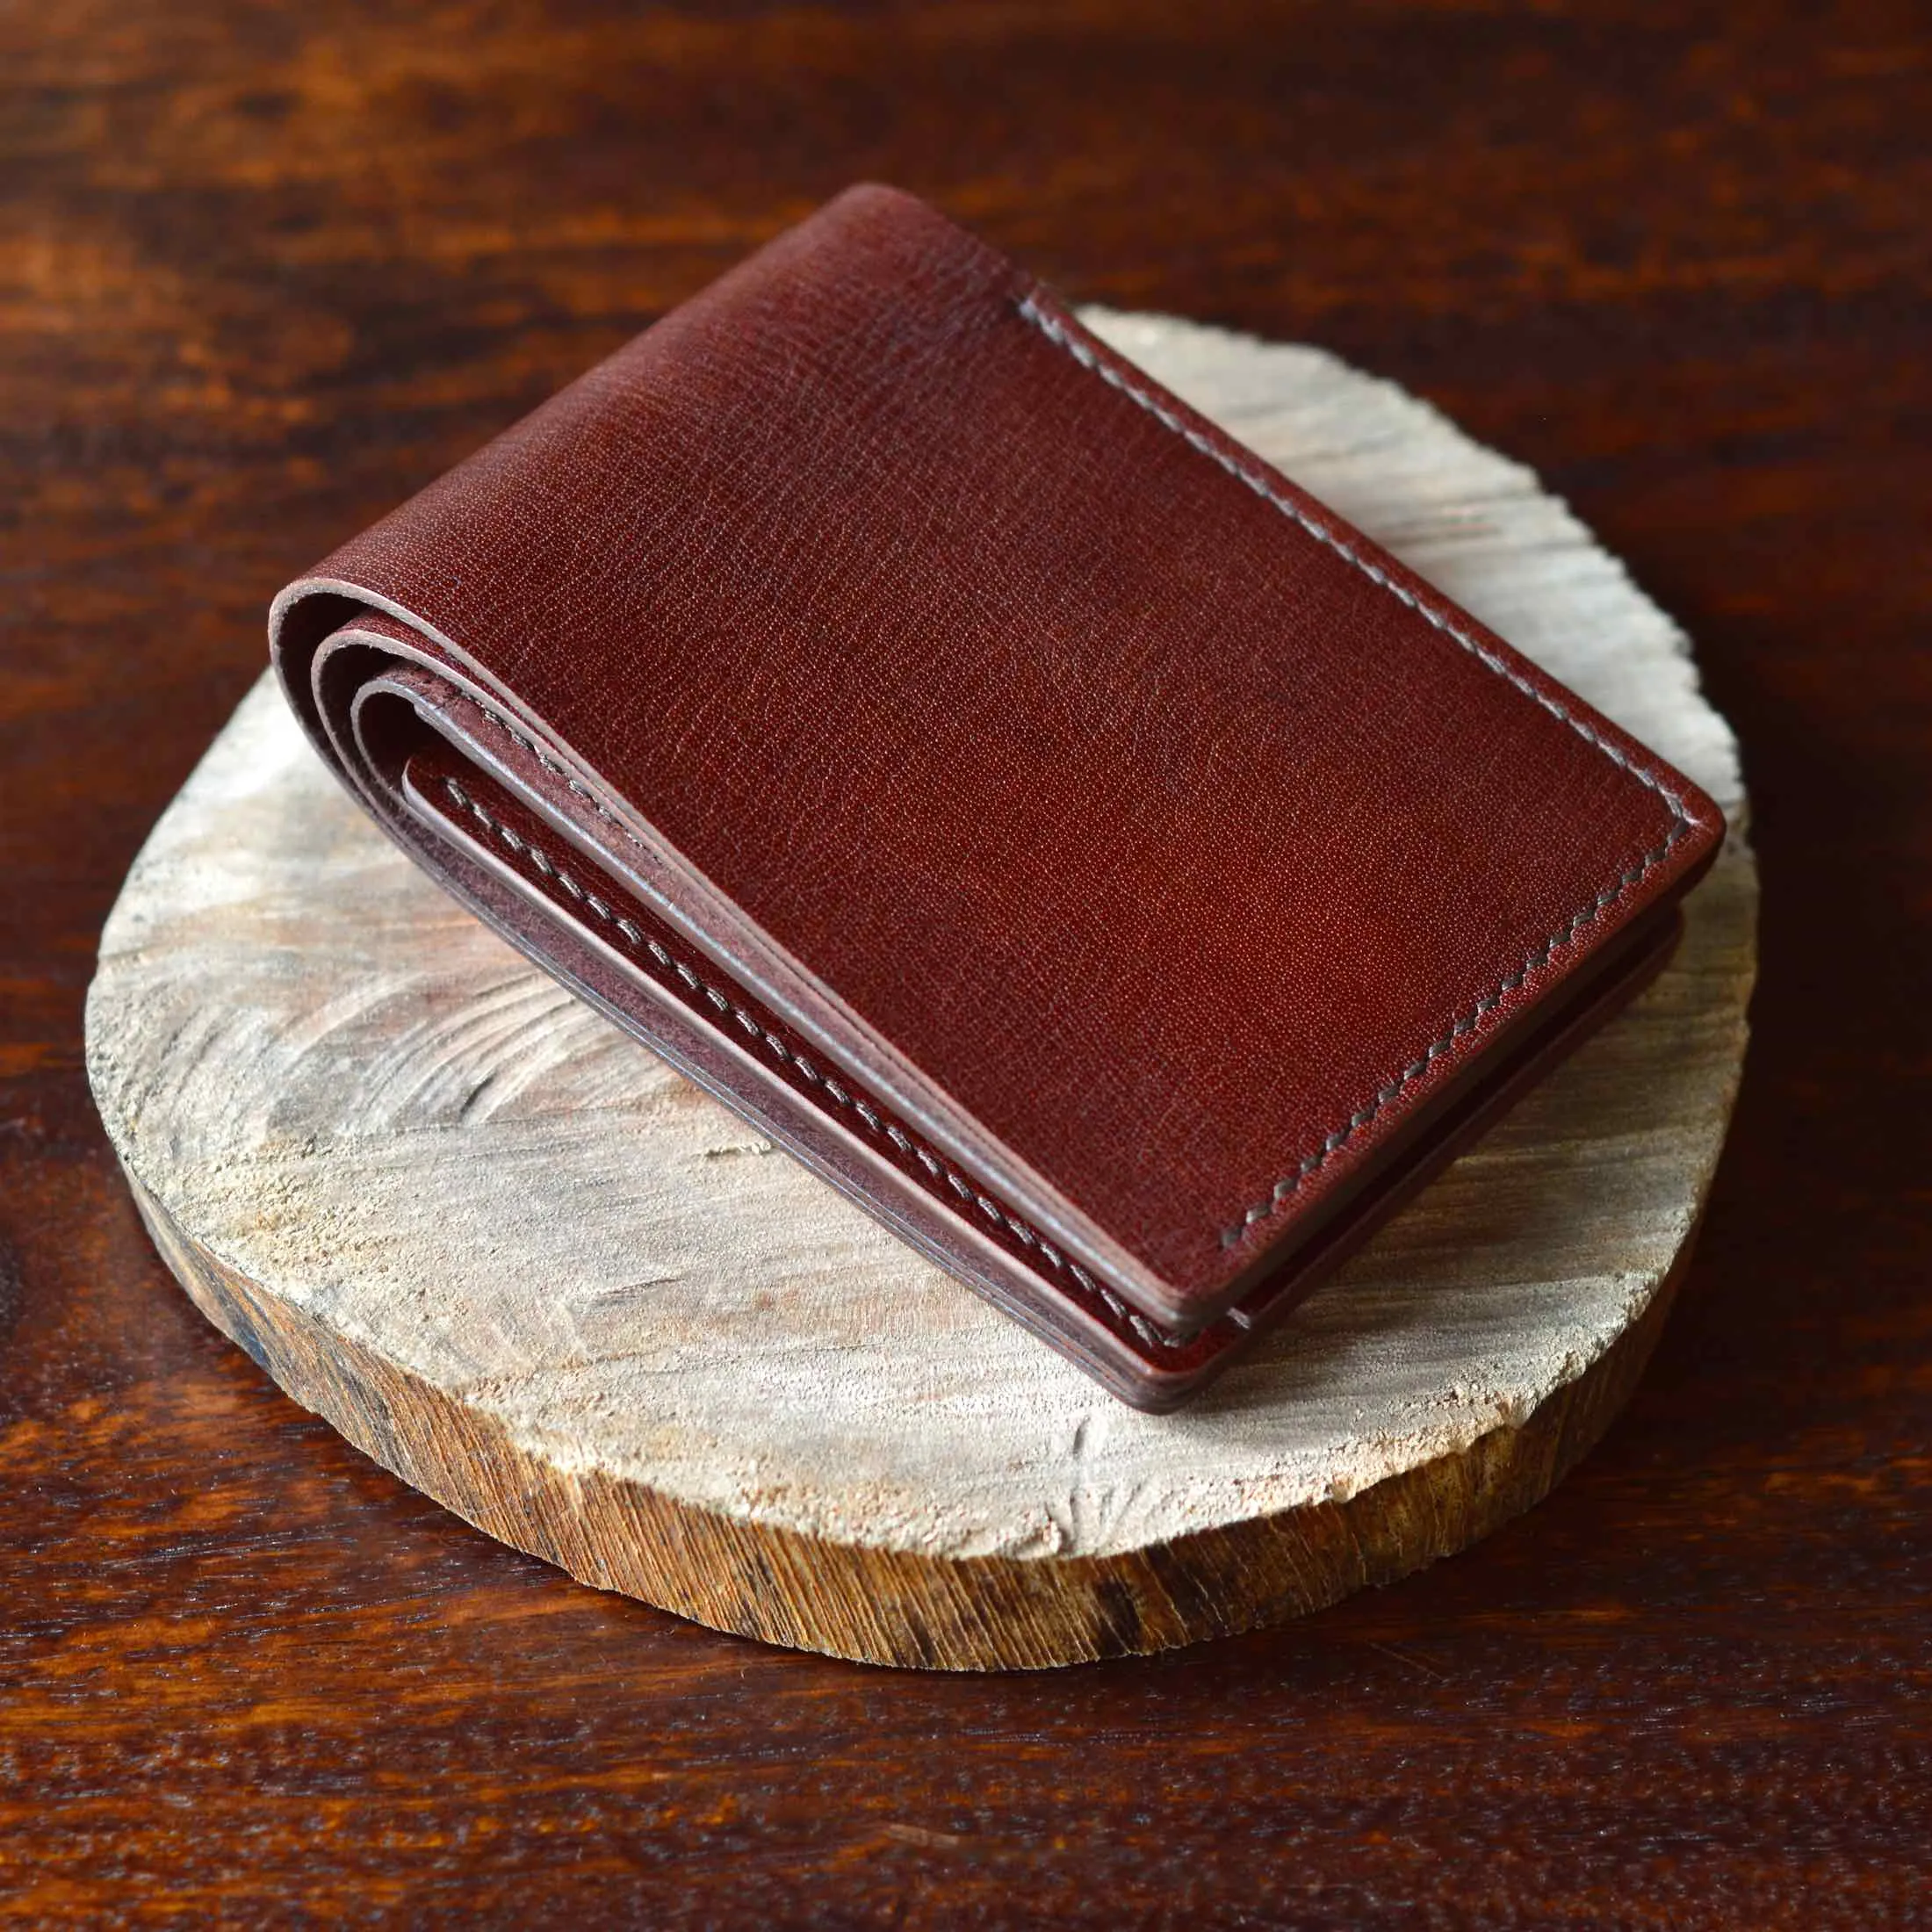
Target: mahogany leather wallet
[(1010, 793)]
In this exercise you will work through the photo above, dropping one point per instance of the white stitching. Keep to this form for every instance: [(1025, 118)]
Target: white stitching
[(571, 781), (1537, 957), (1050, 329), (635, 935)]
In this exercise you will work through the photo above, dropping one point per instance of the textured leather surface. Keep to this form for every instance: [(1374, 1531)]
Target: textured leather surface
[(1160, 872)]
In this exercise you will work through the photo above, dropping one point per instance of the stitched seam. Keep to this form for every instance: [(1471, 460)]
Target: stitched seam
[(1540, 956), (571, 783), (639, 942)]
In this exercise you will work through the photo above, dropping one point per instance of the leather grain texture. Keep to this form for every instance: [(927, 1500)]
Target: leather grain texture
[(1077, 842)]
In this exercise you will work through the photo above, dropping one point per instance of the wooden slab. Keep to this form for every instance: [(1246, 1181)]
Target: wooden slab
[(512, 1256)]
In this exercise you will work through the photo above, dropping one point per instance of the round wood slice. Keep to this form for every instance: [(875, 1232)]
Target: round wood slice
[(528, 1268)]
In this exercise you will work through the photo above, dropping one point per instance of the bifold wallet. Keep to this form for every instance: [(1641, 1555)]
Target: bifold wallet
[(1068, 838)]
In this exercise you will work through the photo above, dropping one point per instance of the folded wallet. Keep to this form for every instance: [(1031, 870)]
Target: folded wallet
[(1068, 838)]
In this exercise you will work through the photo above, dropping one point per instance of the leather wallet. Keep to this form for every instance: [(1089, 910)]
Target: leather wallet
[(1010, 793)]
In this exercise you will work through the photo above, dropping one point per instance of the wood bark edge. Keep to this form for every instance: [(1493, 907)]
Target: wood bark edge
[(898, 1607)]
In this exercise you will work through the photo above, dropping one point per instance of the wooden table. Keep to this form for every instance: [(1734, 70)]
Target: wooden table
[(264, 270)]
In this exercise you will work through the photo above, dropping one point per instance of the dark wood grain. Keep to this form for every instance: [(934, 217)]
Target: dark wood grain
[(264, 269)]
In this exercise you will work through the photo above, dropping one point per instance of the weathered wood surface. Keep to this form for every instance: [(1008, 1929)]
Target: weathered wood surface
[(512, 1256), (264, 269)]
